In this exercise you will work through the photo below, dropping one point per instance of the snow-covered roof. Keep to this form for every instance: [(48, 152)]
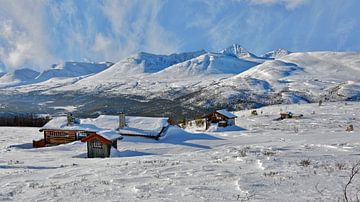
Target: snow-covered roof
[(60, 123), (109, 134), (226, 113), (135, 125)]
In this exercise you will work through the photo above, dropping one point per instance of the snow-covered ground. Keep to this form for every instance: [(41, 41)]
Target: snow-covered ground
[(307, 159)]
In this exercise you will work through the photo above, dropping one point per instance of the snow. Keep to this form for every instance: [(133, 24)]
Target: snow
[(208, 79), (226, 113), (135, 125), (293, 78), (275, 54), (109, 134), (72, 70), (17, 77), (60, 123), (237, 51), (307, 159)]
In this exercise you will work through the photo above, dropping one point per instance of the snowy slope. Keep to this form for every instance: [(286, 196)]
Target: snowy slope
[(233, 76), (210, 63), (18, 77), (275, 54), (142, 63), (306, 159), (59, 75), (192, 74), (72, 69), (238, 51), (297, 77)]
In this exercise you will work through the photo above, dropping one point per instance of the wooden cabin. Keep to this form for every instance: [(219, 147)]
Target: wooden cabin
[(61, 130), (100, 143), (286, 115), (289, 115), (222, 117)]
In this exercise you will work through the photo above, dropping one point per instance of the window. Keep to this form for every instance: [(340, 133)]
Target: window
[(97, 144), (56, 134), (81, 135)]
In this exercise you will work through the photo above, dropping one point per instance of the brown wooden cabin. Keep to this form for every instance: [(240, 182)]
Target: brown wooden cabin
[(222, 117), (289, 115), (62, 130), (57, 136), (99, 144), (286, 115)]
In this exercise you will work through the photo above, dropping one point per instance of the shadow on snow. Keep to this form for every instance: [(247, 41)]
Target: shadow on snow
[(176, 136)]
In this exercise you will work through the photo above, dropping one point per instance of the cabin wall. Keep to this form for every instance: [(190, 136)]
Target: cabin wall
[(98, 149), (231, 122), (59, 136), (215, 117), (63, 136)]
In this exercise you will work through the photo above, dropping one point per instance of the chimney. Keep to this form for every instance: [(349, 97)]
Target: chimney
[(70, 119), (121, 120)]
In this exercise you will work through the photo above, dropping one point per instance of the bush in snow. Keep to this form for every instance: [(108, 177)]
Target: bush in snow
[(305, 162), (350, 128)]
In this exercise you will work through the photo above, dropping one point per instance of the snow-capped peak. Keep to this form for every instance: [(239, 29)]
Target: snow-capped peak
[(276, 53), (149, 63), (72, 69), (18, 76), (237, 51)]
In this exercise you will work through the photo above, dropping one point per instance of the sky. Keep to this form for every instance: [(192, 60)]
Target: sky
[(38, 33)]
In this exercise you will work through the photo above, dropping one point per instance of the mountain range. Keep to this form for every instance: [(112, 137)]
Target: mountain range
[(232, 78)]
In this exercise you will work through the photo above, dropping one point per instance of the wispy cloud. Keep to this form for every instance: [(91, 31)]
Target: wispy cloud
[(42, 32), (39, 32), (23, 39), (140, 30), (289, 4)]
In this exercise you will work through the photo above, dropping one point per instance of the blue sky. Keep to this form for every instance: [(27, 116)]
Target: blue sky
[(38, 33)]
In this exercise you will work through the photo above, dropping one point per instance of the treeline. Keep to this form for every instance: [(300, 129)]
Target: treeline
[(27, 120)]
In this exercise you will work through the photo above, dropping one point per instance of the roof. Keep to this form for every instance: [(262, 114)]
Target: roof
[(105, 136), (226, 113), (60, 123), (135, 125), (144, 126), (109, 134)]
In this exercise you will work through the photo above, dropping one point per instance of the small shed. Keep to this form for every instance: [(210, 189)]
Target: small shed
[(289, 115), (286, 115), (99, 144), (222, 117)]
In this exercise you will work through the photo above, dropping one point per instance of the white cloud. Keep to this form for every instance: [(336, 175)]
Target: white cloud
[(289, 4), (22, 35), (136, 27), (102, 43)]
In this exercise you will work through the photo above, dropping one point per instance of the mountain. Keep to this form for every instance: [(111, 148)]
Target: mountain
[(297, 77), (130, 74), (72, 69), (18, 77), (276, 53), (209, 63), (197, 80), (237, 50), (144, 63), (170, 82)]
